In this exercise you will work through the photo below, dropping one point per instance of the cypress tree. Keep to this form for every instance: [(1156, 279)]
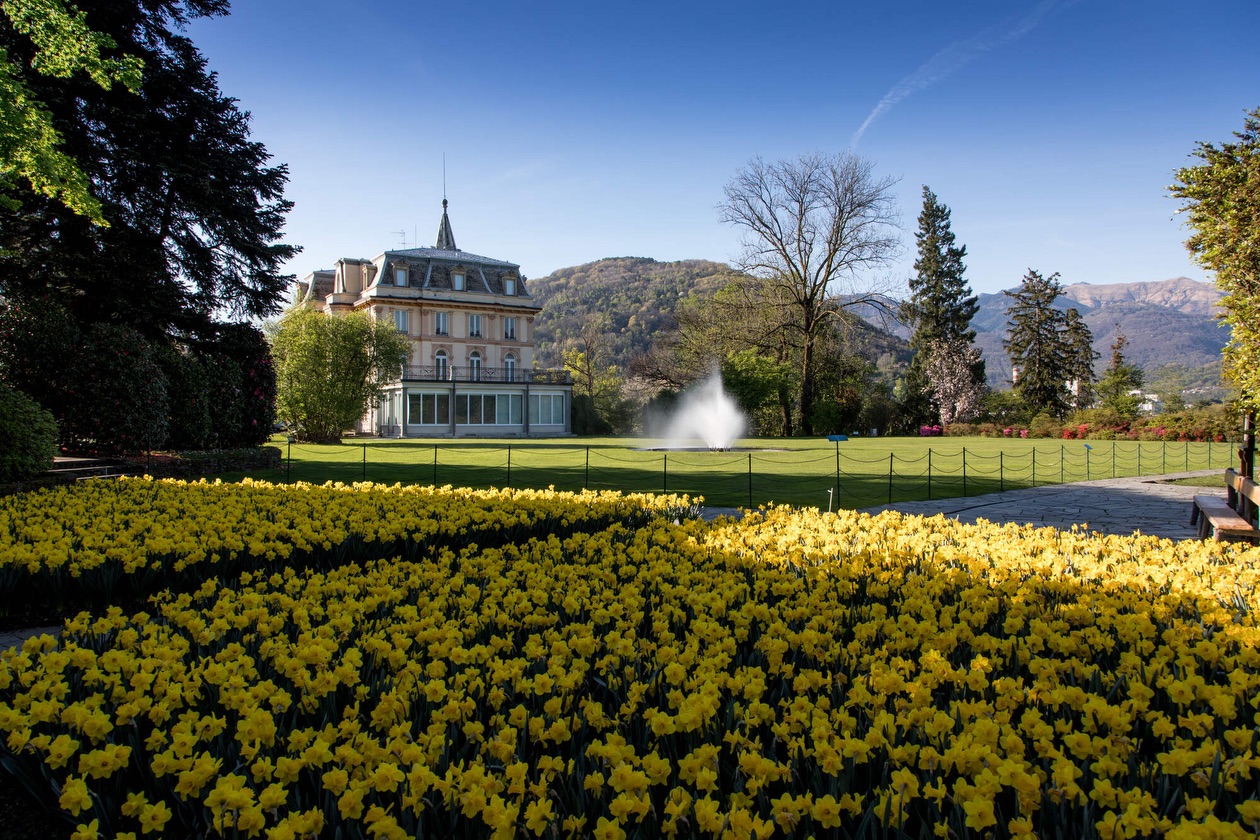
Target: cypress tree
[(940, 308)]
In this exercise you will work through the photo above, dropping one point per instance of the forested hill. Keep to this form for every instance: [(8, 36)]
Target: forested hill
[(637, 295), (1167, 322)]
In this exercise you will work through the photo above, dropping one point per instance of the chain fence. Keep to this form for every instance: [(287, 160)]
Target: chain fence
[(817, 477)]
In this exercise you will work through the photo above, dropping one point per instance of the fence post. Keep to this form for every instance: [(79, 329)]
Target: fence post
[(1113, 459), (750, 480), (1034, 467), (509, 478), (1139, 443), (1247, 455), (435, 448), (586, 482), (964, 471), (1163, 464), (837, 466), (929, 473), (1001, 472), (1062, 457), (365, 462), (890, 476), (288, 471), (665, 475), (1188, 455)]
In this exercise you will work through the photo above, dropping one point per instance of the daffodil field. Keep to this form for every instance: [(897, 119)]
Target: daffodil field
[(542, 664)]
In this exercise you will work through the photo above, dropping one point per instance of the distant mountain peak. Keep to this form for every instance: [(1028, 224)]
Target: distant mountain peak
[(1190, 297)]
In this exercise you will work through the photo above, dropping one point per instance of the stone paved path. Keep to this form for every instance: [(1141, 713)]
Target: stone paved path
[(1110, 506)]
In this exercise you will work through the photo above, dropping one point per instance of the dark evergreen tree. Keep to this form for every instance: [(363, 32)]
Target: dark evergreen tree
[(192, 216), (1121, 378), (1035, 342), (940, 308), (193, 210), (1081, 357)]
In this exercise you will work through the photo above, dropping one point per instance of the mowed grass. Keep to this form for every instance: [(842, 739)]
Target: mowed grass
[(858, 473)]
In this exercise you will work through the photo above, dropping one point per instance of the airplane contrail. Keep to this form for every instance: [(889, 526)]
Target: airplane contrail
[(955, 56)]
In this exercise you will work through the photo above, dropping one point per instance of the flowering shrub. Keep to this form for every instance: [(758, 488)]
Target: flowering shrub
[(789, 673), (930, 431)]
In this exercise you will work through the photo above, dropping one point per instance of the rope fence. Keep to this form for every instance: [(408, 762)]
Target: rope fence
[(814, 477)]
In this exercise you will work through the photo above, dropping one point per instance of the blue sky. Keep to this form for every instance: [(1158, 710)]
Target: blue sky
[(575, 131)]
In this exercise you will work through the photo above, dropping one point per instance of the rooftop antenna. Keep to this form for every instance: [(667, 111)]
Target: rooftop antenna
[(444, 178), (403, 235)]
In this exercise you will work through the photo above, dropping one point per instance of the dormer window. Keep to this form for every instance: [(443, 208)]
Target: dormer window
[(457, 281), (400, 277), (509, 286)]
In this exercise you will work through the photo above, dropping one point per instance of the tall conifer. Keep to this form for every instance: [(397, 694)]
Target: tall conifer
[(940, 308), (1037, 340)]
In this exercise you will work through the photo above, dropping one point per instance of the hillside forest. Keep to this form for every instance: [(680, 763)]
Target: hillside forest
[(636, 332)]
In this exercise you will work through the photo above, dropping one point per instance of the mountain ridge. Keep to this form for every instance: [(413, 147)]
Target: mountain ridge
[(1165, 321)]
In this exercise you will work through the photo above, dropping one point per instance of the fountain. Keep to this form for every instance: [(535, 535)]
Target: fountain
[(705, 413)]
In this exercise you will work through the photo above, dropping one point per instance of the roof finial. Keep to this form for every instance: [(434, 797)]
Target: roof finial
[(446, 237)]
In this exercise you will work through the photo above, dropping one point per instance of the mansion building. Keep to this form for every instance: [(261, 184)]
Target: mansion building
[(470, 320)]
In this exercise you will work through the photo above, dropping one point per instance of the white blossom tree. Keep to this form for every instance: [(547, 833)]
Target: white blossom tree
[(951, 381)]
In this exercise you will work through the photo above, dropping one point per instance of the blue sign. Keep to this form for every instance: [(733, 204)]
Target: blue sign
[(837, 438)]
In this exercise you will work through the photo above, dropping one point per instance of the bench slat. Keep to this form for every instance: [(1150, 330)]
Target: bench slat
[(1220, 520)]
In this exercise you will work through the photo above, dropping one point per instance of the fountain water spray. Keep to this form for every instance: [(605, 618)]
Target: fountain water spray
[(706, 413)]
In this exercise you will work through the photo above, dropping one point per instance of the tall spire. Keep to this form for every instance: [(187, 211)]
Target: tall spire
[(446, 238)]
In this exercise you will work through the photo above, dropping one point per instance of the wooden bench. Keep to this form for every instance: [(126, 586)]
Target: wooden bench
[(1230, 518)]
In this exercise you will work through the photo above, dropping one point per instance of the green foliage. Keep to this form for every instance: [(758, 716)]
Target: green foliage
[(1040, 346), (188, 398), (813, 226), (330, 369), (1004, 409), (1079, 350), (1045, 426), (39, 349), (586, 419), (60, 45), (118, 397), (844, 384), (219, 384), (757, 384), (1207, 423), (28, 436), (195, 211), (879, 411), (1222, 205), (243, 386), (637, 296), (939, 311), (1118, 380), (1180, 385)]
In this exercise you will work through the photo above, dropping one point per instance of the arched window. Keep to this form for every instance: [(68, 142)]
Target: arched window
[(509, 368), (474, 366), (442, 365)]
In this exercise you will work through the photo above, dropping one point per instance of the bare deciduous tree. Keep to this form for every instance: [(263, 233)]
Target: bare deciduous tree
[(814, 226)]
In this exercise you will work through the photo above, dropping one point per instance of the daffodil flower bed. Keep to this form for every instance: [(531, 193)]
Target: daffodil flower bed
[(790, 674), (98, 543)]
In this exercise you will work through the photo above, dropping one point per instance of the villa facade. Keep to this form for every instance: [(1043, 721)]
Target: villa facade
[(470, 320)]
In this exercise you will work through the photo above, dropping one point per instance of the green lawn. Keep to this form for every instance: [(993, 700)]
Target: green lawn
[(860, 472)]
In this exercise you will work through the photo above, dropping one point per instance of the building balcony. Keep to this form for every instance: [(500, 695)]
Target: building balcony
[(453, 373)]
